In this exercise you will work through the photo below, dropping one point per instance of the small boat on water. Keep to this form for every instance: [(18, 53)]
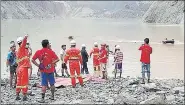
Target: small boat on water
[(168, 41)]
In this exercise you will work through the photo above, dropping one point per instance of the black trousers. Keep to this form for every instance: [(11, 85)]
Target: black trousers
[(84, 68)]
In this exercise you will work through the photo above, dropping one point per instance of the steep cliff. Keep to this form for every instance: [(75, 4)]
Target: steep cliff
[(62, 9), (170, 12), (109, 9), (32, 9)]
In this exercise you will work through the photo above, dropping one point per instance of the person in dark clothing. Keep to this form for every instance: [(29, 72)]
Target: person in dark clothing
[(85, 57)]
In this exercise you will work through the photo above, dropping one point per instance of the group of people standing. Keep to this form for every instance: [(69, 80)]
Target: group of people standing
[(19, 63)]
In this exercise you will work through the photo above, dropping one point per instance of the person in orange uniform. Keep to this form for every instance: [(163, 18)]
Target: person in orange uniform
[(73, 55), (103, 60), (96, 52), (22, 69)]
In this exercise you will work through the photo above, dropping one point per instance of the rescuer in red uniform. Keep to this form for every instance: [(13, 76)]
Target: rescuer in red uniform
[(103, 60), (96, 63), (22, 69), (73, 55)]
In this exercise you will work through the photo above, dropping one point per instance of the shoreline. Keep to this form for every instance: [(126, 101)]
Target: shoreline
[(114, 91), (139, 20)]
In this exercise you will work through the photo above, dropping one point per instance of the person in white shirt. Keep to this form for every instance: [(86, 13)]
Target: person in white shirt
[(63, 66)]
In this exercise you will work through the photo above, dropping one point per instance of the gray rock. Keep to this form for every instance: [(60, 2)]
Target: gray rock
[(170, 98), (76, 101), (170, 12), (110, 101), (134, 86), (125, 98), (151, 87), (87, 101), (134, 82), (154, 100), (178, 90)]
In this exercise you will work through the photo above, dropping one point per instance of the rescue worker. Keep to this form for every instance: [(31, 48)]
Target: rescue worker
[(103, 61), (22, 69), (96, 53), (63, 66), (73, 55), (11, 63), (48, 60), (85, 57)]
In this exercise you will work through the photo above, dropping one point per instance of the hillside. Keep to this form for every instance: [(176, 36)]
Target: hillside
[(170, 12), (32, 9)]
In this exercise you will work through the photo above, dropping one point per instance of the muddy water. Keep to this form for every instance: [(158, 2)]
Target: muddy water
[(167, 61)]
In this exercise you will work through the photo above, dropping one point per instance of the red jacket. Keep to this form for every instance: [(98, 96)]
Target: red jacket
[(73, 55), (22, 55), (103, 55), (146, 50), (46, 56), (95, 52)]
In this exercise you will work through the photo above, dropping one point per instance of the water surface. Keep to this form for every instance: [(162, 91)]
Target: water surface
[(167, 61)]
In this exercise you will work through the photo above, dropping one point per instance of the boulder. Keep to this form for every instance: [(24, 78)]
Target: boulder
[(124, 98), (178, 90), (151, 87), (3, 83), (110, 101), (170, 98), (58, 102), (87, 101), (154, 100), (134, 86), (134, 82)]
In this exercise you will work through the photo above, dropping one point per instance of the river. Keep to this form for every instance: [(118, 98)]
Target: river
[(167, 61)]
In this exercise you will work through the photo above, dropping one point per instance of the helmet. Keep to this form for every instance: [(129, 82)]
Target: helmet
[(95, 43), (117, 47), (19, 39), (103, 44), (73, 42), (83, 45)]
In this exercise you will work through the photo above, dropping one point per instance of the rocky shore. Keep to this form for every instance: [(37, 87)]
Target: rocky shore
[(115, 91)]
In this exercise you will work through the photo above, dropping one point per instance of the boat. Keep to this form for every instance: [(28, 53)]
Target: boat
[(168, 41)]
